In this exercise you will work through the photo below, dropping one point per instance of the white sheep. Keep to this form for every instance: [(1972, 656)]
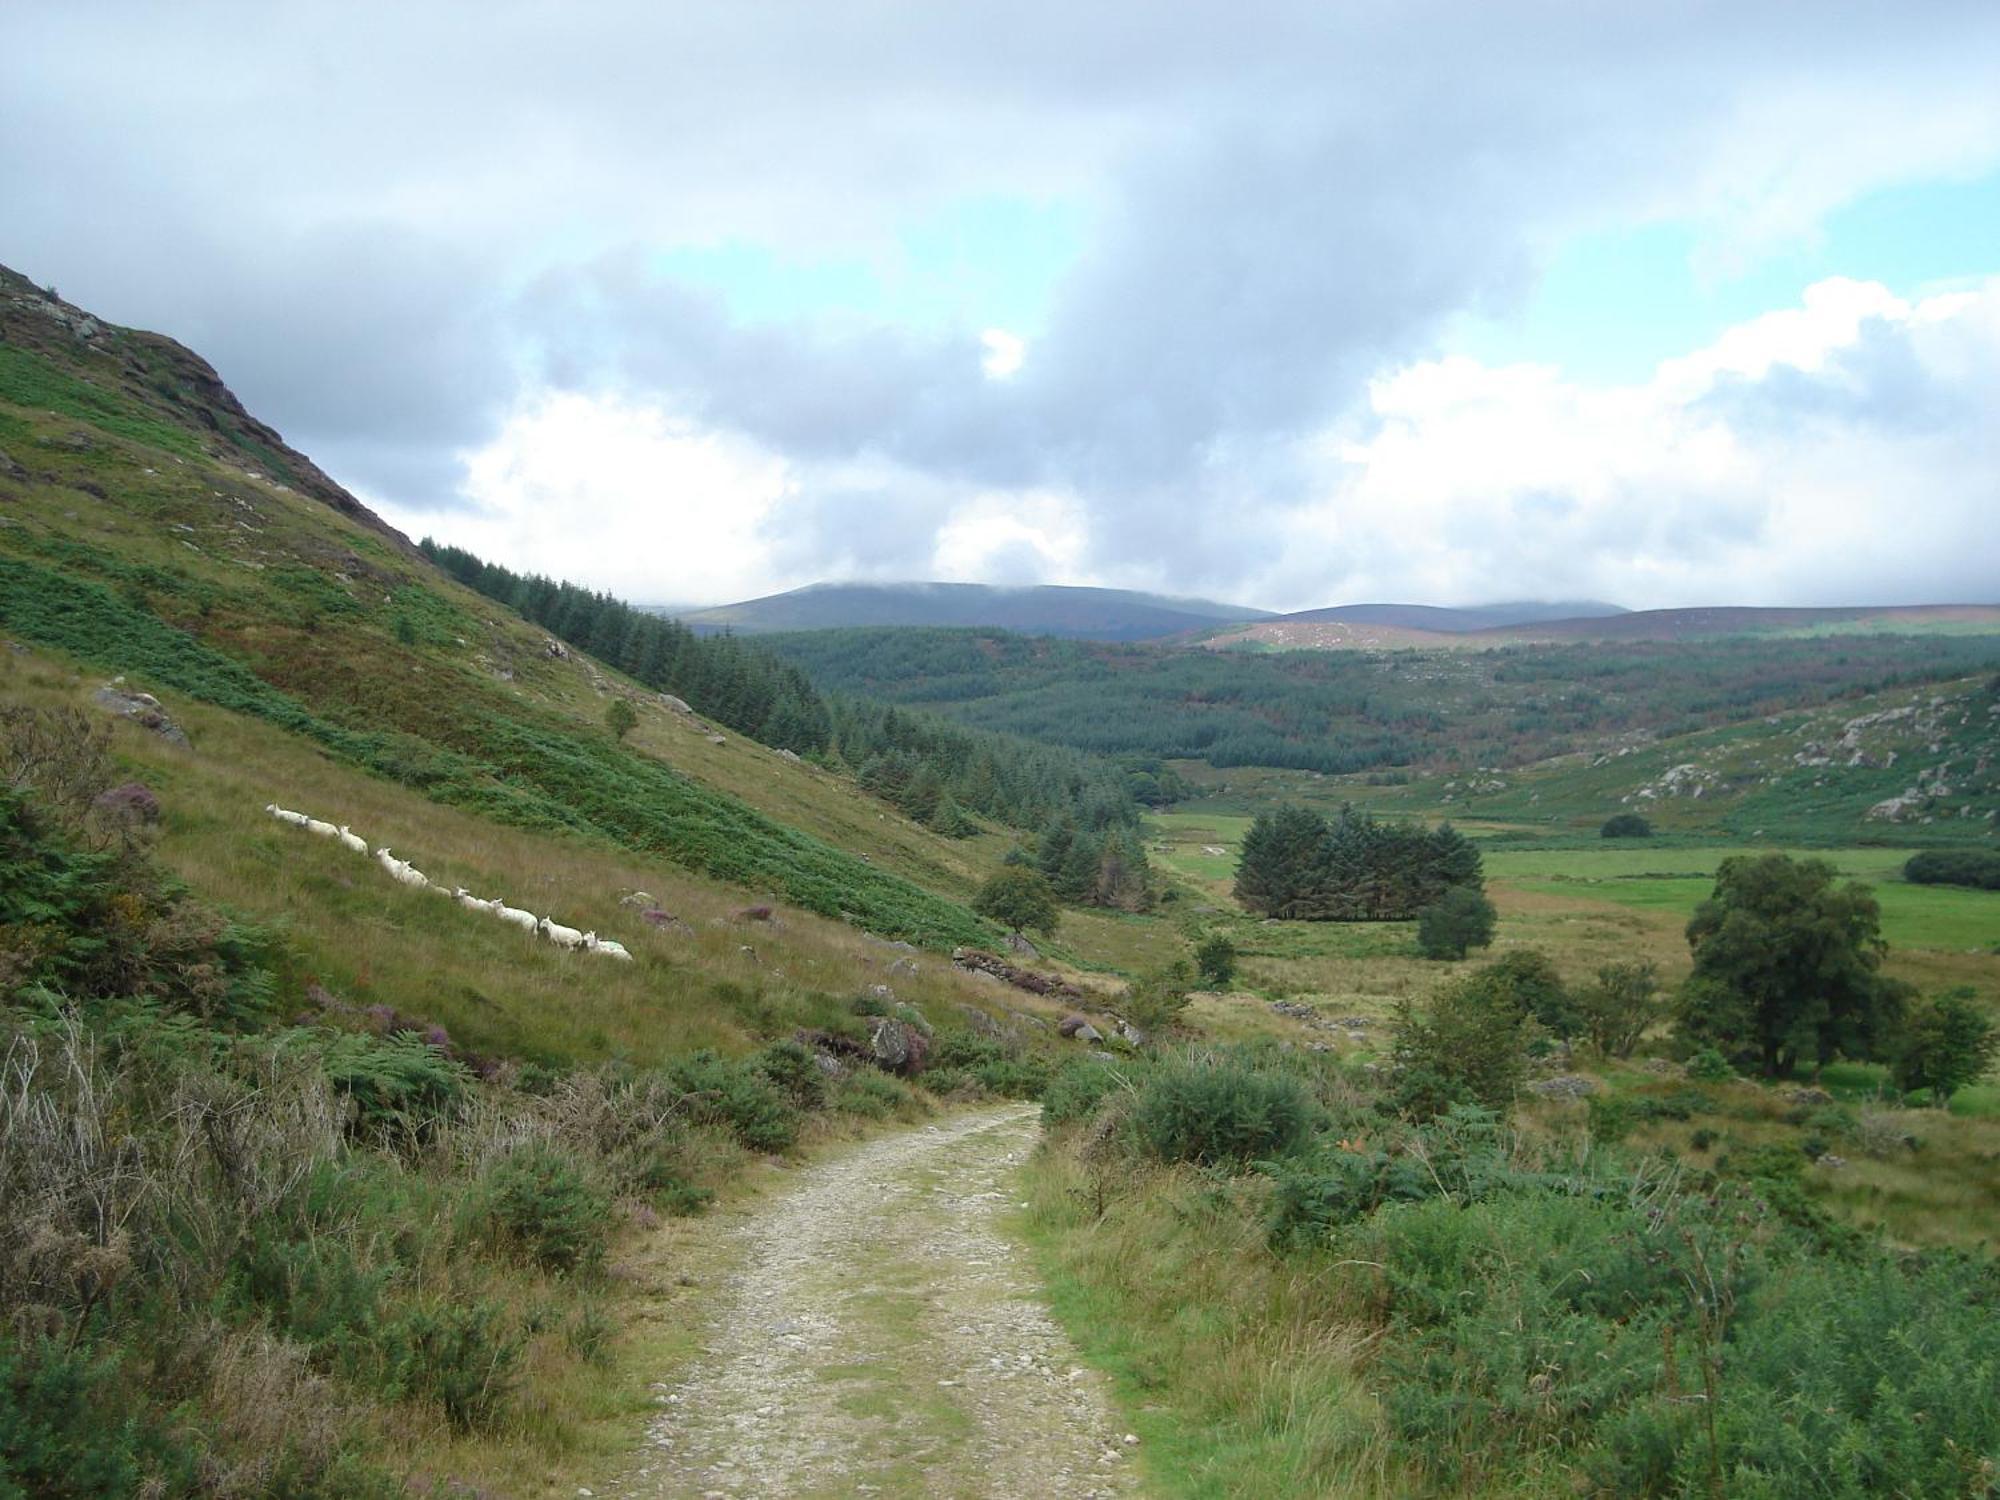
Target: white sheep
[(351, 840), (561, 936), (285, 815), (324, 830), (399, 869), (609, 946), (471, 902), (525, 920)]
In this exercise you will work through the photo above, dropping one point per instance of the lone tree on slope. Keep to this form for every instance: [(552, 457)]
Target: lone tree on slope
[(1019, 899), (1787, 968)]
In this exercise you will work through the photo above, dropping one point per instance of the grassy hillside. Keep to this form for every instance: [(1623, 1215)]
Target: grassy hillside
[(1911, 765), (1368, 710), (414, 1250)]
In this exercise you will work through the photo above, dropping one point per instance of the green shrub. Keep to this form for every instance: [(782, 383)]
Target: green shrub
[(69, 1429), (873, 1095), (1626, 825), (1156, 1001), (1078, 1088), (1525, 984), (793, 1069), (1709, 1066), (458, 1354), (1465, 1049), (546, 1210), (1217, 1112), (1460, 919), (1945, 1044), (662, 1178), (401, 1086), (738, 1095), (1623, 1003), (1977, 868), (1215, 960), (988, 1064)]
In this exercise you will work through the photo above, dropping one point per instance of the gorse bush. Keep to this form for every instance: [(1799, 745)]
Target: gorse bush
[(1546, 1310), (1217, 1112), (1079, 1087), (741, 1097), (541, 1204), (986, 1065)]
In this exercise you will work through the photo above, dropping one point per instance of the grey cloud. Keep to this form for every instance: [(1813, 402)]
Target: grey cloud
[(1880, 381), (383, 221)]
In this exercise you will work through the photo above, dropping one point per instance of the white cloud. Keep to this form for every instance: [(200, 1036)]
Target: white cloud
[(1004, 352), (1837, 452), (1028, 538), (621, 496)]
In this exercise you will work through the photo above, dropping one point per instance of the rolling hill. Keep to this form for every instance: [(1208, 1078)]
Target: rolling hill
[(1418, 627), (1074, 613), (1457, 621)]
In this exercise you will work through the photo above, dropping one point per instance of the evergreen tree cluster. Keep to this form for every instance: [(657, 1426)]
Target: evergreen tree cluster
[(1096, 866), (938, 773), (742, 687), (1356, 868)]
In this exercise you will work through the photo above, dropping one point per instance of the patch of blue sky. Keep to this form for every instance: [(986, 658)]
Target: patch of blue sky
[(982, 262), (1612, 304)]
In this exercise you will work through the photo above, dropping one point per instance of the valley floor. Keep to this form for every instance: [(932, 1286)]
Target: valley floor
[(884, 1336)]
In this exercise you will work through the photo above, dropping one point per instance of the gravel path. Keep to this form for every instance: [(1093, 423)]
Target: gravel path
[(883, 1337)]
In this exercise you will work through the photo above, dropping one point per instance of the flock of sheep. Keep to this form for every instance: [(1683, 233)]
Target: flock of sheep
[(402, 870)]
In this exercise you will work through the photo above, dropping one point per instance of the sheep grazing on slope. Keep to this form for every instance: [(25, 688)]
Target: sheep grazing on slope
[(351, 840), (608, 946), (400, 869), (561, 936), (525, 920), (324, 830), (285, 815), (471, 902)]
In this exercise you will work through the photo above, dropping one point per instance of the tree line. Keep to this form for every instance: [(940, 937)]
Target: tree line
[(741, 687), (1298, 865), (938, 773)]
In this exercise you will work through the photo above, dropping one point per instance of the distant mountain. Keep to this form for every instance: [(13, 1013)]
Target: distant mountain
[(1389, 627), (1075, 613), (1707, 623), (1452, 621)]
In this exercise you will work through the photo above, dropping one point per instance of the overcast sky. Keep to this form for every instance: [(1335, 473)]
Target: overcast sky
[(1291, 304)]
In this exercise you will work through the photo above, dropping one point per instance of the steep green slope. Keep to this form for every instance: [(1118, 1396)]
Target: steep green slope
[(148, 549)]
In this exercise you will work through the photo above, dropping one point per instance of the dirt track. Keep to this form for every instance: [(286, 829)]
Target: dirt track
[(883, 1337)]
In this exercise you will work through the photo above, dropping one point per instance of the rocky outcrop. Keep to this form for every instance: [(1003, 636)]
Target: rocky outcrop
[(142, 709), (976, 961)]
